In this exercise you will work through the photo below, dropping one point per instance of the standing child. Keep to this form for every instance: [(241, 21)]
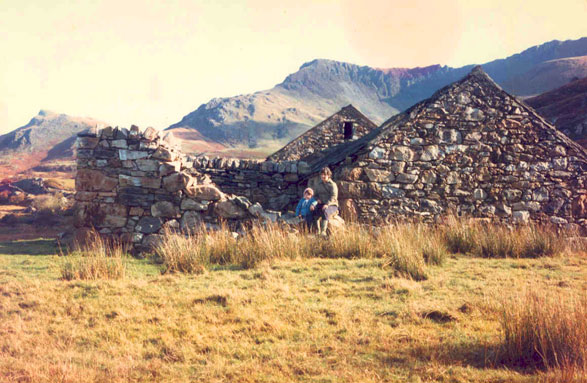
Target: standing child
[(306, 206)]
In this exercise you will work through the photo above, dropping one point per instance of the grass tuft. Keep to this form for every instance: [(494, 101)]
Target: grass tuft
[(497, 241), (185, 254), (405, 248), (100, 258), (545, 331), (403, 252), (459, 235), (465, 236)]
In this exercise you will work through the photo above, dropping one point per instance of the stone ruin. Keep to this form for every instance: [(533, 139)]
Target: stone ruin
[(472, 149), (469, 149), (345, 125), (134, 185)]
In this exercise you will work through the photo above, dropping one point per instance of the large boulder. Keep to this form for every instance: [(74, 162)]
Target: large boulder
[(191, 221), (204, 192), (336, 223), (230, 209)]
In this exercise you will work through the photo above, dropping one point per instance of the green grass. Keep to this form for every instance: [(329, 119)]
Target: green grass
[(306, 320)]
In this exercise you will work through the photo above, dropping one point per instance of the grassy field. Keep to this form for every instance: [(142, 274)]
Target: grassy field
[(303, 319)]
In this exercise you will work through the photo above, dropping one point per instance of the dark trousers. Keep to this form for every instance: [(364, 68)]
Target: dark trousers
[(309, 222), (328, 212)]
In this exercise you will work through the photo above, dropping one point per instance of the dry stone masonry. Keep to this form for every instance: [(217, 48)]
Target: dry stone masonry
[(135, 184), (275, 185), (471, 149), (330, 132)]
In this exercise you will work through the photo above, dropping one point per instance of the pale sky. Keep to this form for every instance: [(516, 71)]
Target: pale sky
[(151, 62)]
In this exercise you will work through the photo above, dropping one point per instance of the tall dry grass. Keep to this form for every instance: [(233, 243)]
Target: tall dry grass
[(409, 247), (459, 234), (183, 253), (529, 241), (352, 241), (405, 248), (99, 258), (498, 241), (545, 330), (192, 253)]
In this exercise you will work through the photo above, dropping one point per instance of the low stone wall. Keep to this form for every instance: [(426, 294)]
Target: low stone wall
[(134, 184), (275, 185)]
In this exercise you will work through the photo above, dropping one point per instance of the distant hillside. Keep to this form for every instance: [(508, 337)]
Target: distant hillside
[(273, 117), (547, 76), (566, 108), (48, 136)]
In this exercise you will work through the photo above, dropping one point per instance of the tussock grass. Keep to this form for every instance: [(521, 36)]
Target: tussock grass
[(545, 331), (486, 240), (403, 251), (263, 243), (194, 252), (459, 234), (530, 241), (99, 258), (404, 248), (183, 253), (353, 241), (313, 319)]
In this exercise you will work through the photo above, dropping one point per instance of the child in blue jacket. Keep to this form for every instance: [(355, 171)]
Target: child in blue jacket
[(306, 206)]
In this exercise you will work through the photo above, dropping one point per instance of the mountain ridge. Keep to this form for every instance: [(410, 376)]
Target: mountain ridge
[(48, 136), (321, 87), (566, 108)]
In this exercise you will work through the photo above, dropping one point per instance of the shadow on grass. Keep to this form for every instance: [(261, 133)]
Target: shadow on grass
[(154, 259), (30, 247), (471, 353)]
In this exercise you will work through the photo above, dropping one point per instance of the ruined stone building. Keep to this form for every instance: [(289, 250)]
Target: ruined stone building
[(470, 149), (346, 125)]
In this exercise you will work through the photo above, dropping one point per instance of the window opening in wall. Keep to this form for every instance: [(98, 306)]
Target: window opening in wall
[(348, 130)]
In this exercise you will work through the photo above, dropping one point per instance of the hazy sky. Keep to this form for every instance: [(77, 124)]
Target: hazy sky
[(151, 62)]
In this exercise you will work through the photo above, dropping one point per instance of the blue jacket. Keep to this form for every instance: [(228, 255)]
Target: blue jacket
[(303, 207)]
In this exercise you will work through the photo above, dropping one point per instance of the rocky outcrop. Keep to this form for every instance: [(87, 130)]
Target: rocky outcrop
[(134, 185), (47, 137)]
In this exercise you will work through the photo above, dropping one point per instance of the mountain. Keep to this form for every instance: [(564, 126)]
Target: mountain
[(547, 75), (47, 137), (566, 108), (266, 120)]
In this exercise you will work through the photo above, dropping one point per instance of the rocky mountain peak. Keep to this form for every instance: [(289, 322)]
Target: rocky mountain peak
[(321, 87)]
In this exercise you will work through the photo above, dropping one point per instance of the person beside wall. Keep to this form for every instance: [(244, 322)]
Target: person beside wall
[(326, 193), (306, 207)]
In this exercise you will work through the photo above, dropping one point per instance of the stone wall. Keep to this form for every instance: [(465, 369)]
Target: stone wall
[(471, 149), (134, 184), (330, 132), (275, 185)]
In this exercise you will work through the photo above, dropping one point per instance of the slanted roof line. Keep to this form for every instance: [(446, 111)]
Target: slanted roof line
[(338, 154), (297, 148)]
